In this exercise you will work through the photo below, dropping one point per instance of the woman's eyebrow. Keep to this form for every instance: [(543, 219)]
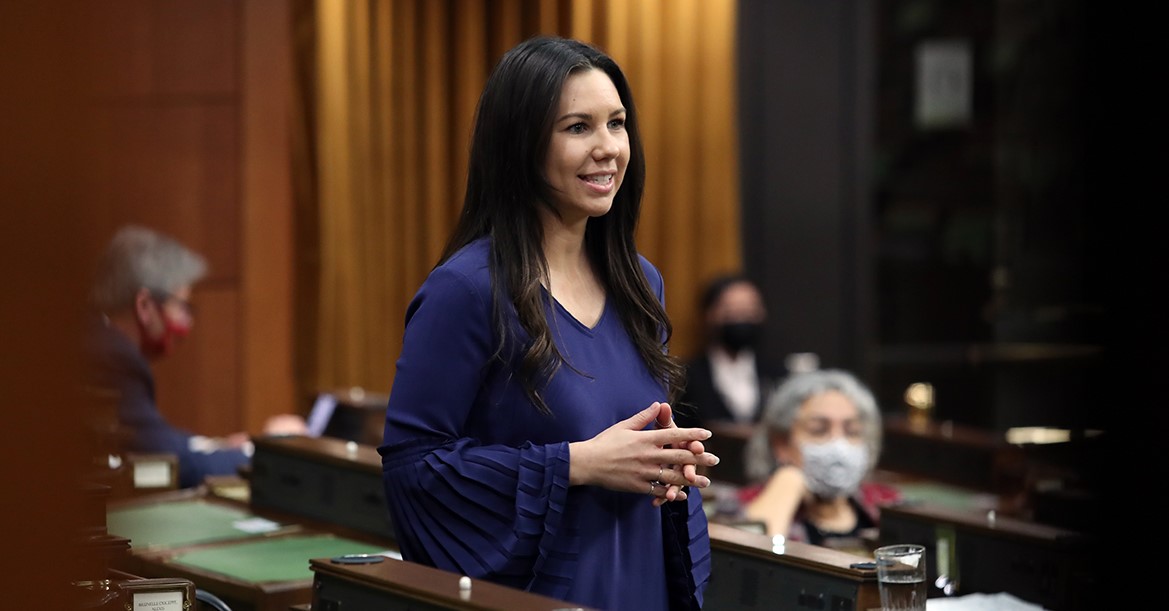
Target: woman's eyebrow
[(585, 116)]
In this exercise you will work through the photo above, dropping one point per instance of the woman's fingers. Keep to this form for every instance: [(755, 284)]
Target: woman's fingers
[(665, 417), (673, 494), (641, 419), (677, 436), (684, 466), (658, 460), (670, 456), (668, 434), (690, 469), (667, 492), (677, 477)]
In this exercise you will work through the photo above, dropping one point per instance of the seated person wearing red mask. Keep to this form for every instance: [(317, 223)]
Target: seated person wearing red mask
[(140, 298)]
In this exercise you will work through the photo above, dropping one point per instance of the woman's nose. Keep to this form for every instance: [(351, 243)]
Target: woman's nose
[(607, 147)]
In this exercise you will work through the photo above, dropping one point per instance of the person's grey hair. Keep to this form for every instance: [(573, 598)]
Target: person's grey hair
[(138, 258), (783, 406)]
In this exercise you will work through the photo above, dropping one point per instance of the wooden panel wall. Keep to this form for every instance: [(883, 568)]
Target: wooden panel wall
[(267, 357), (41, 227), (132, 111), (191, 105)]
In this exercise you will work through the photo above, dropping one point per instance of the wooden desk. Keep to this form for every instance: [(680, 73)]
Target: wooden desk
[(953, 453), (397, 584), (265, 574), (1054, 483), (1045, 565), (748, 572), (323, 479), (911, 489), (225, 548)]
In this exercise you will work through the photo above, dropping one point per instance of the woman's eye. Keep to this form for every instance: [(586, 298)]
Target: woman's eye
[(577, 128), (816, 430), (617, 124)]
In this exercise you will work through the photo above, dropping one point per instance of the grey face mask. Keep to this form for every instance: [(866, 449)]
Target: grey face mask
[(836, 468)]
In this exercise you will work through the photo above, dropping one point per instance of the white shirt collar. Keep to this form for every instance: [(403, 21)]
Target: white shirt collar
[(736, 380)]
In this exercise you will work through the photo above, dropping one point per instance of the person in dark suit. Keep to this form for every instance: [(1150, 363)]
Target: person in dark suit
[(728, 381), (141, 311)]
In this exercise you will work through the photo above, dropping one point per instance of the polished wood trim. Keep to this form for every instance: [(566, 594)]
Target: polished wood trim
[(993, 524), (325, 450), (820, 559), (402, 579)]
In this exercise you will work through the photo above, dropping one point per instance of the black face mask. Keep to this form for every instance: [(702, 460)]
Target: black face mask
[(739, 335)]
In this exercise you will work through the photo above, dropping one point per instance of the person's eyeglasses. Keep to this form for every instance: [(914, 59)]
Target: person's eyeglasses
[(162, 298)]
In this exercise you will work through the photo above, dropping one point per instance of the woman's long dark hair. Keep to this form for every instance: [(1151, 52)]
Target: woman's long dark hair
[(506, 186)]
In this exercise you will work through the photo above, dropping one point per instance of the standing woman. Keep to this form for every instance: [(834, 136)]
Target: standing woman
[(529, 417)]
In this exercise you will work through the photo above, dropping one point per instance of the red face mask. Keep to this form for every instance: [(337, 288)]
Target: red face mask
[(164, 343)]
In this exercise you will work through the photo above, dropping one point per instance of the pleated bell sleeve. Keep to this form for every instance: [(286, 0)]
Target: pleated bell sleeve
[(459, 502)]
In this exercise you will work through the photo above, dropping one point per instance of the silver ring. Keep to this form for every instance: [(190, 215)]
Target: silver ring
[(652, 485)]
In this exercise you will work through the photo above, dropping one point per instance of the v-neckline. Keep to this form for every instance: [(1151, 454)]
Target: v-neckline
[(576, 321)]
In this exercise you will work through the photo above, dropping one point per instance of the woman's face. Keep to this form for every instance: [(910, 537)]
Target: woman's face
[(589, 147), (821, 419)]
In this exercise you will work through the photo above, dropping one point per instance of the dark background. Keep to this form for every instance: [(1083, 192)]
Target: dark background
[(983, 259)]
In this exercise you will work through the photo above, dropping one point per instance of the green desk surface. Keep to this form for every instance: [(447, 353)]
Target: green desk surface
[(276, 559), (946, 496), (178, 523)]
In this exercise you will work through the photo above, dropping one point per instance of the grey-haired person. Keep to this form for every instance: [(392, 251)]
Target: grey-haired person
[(819, 438), (141, 302)]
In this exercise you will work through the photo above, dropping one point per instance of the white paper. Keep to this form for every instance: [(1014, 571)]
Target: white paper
[(981, 602), (256, 525)]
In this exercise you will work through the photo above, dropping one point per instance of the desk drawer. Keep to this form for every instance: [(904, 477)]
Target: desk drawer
[(321, 491)]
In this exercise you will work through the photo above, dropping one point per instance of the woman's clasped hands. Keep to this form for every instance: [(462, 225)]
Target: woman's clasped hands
[(631, 457)]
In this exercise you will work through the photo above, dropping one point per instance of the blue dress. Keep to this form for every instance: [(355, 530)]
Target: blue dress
[(477, 479)]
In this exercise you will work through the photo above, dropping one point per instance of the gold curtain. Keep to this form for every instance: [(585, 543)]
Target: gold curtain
[(387, 97)]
